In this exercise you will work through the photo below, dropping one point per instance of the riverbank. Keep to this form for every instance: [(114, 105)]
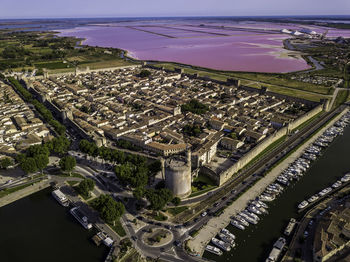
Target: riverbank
[(22, 193), (197, 244)]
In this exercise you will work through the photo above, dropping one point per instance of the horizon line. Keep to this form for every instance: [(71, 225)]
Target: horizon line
[(185, 16)]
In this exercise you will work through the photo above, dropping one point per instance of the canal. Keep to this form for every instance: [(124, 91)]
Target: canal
[(255, 243), (37, 228)]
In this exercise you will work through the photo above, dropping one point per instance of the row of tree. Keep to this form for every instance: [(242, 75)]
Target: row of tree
[(44, 112), (36, 157)]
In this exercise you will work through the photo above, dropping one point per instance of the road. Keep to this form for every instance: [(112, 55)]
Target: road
[(249, 174)]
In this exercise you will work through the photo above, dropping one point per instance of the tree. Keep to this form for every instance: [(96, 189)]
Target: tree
[(138, 192), (67, 163), (35, 150), (85, 186), (28, 165), (176, 201), (5, 162), (158, 198), (109, 209), (144, 73), (41, 160), (60, 145)]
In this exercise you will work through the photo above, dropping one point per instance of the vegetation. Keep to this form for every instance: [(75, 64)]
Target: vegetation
[(26, 50), (201, 184), (44, 112), (159, 216), (132, 170), (195, 107), (177, 210), (176, 201), (109, 209), (342, 97), (144, 73), (8, 191), (67, 163), (118, 228), (5, 162), (36, 157), (192, 130), (158, 198), (85, 186)]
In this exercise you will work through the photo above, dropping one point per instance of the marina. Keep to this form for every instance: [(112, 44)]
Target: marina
[(304, 177)]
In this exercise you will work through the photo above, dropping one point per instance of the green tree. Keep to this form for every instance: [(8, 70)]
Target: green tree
[(35, 150), (144, 73), (67, 163), (109, 209), (158, 198), (28, 165), (85, 186), (138, 192), (176, 201), (41, 160), (5, 162)]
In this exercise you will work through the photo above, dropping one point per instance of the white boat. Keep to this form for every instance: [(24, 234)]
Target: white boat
[(276, 250), (267, 197), (313, 198), (290, 227), (345, 178), (226, 239), (337, 184), (250, 214), (303, 204), (213, 250), (81, 217), (235, 223), (249, 219), (254, 210), (60, 197), (241, 220), (221, 244), (228, 233), (261, 203)]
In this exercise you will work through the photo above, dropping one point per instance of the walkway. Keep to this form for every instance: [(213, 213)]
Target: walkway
[(214, 225)]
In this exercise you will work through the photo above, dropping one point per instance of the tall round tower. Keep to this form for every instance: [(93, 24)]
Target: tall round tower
[(178, 175)]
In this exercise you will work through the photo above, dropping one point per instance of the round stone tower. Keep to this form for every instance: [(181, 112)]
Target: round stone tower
[(178, 175)]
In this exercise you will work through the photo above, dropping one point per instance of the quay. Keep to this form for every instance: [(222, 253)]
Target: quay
[(214, 225)]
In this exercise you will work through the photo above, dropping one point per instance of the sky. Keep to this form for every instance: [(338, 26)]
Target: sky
[(147, 8)]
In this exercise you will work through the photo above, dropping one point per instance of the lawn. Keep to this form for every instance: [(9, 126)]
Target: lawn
[(53, 65), (341, 98), (72, 183), (6, 192), (176, 210), (118, 228), (202, 184), (159, 216)]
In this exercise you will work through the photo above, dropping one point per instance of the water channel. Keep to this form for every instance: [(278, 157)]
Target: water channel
[(37, 228), (255, 243)]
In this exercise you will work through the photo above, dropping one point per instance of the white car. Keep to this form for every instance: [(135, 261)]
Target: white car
[(204, 214)]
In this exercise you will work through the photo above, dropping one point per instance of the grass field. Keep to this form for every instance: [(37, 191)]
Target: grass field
[(118, 228), (177, 210), (275, 82)]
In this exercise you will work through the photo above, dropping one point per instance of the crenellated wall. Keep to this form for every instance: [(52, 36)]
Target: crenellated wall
[(228, 173)]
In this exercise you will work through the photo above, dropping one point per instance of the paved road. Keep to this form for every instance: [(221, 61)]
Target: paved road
[(261, 166)]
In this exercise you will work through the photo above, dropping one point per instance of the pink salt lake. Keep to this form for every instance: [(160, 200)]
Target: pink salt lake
[(234, 49)]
